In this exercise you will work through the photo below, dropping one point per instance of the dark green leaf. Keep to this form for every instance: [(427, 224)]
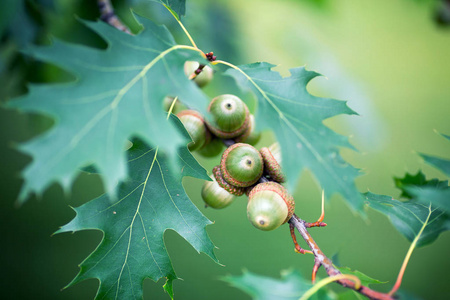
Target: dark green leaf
[(439, 196), (291, 286), (439, 163), (150, 202), (418, 180), (176, 6), (409, 216), (365, 280), (296, 117), (419, 189), (118, 94)]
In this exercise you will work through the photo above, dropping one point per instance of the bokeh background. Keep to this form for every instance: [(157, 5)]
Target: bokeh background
[(389, 59)]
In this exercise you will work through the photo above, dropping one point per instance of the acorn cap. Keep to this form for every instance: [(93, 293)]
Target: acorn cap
[(241, 165), (237, 191), (269, 206), (250, 136), (272, 165), (215, 196), (230, 116)]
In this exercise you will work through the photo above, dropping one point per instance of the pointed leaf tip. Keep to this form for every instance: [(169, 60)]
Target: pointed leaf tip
[(296, 118)]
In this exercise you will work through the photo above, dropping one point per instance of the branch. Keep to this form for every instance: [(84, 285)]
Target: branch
[(107, 15), (322, 260)]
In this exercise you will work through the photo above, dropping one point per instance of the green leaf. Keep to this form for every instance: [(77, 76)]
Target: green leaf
[(151, 201), (439, 196), (296, 118), (409, 181), (409, 216), (365, 280), (178, 7), (291, 286), (118, 94), (420, 189), (439, 163)]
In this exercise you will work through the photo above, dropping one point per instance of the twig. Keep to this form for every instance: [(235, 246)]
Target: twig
[(322, 260), (107, 15)]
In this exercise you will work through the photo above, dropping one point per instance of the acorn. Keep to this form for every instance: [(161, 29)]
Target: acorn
[(237, 191), (195, 126), (215, 196), (250, 136), (177, 106), (272, 162), (229, 116), (213, 148), (201, 79), (269, 206), (241, 165)]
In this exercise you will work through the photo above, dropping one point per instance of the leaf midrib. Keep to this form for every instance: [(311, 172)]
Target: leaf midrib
[(110, 107)]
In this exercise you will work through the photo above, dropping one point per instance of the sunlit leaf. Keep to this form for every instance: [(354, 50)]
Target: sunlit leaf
[(118, 94), (296, 118)]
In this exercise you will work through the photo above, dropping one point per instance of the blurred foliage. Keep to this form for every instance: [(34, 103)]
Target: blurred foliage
[(291, 286), (388, 58)]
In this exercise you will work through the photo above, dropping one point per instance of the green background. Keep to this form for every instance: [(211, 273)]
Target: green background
[(389, 59)]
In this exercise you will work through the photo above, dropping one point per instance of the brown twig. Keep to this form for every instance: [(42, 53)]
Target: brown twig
[(209, 56), (322, 260), (107, 15)]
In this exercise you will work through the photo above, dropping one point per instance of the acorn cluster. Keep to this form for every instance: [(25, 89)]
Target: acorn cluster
[(243, 169)]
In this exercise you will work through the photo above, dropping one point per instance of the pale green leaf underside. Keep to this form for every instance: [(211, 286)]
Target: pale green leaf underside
[(291, 286), (409, 216), (150, 202), (296, 118), (117, 95)]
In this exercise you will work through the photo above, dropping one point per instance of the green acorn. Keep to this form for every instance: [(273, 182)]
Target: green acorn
[(250, 136), (215, 196), (272, 162), (229, 116), (213, 148), (241, 165), (177, 107), (201, 79), (269, 206), (195, 126)]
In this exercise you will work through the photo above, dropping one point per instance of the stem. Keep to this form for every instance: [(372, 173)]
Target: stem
[(329, 280), (182, 27), (171, 107), (408, 255), (328, 264)]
